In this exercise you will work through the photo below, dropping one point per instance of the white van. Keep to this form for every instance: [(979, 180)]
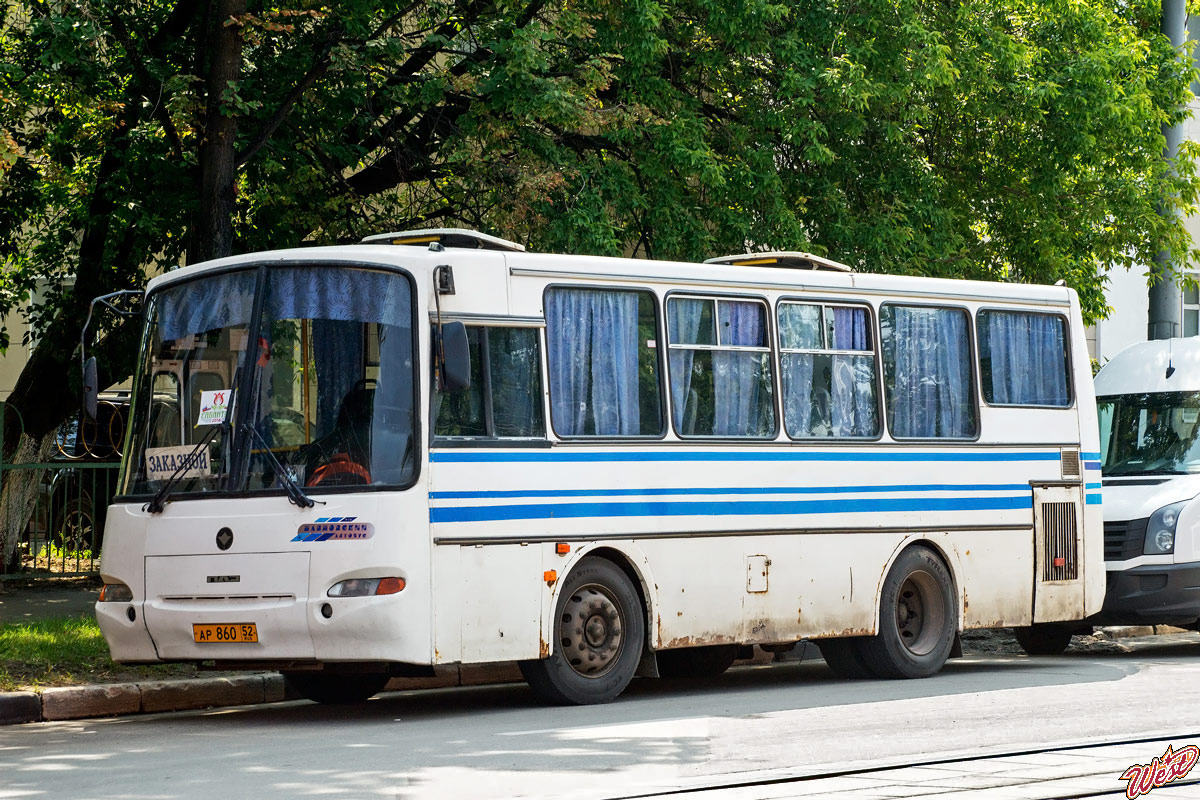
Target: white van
[(1148, 400)]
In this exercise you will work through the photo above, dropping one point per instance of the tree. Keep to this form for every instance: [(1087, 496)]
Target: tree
[(996, 139)]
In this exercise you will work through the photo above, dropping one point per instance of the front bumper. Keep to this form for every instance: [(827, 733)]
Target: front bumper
[(1154, 594)]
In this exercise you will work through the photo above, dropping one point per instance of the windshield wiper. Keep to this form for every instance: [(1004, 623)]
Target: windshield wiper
[(158, 502), (294, 492)]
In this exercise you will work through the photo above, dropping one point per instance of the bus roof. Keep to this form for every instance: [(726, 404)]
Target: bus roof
[(716, 275)]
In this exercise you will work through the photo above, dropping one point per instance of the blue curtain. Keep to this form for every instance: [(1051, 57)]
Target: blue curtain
[(338, 293), (827, 394), (1025, 358), (742, 380), (337, 352), (741, 395), (854, 411), (592, 339), (222, 301), (684, 327), (926, 352)]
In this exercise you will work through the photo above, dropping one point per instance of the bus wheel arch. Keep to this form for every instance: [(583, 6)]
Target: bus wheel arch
[(598, 633), (918, 615)]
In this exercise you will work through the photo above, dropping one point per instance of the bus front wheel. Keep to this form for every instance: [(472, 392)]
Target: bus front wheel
[(333, 688), (598, 633), (918, 616)]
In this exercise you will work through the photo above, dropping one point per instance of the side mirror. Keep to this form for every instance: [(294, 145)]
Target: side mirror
[(91, 391), (454, 358)]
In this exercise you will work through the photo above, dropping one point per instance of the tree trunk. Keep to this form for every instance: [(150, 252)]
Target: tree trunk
[(20, 495), (212, 235)]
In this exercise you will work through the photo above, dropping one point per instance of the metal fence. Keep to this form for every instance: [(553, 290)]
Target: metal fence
[(63, 535)]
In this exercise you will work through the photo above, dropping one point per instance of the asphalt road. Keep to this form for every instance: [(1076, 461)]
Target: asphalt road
[(753, 725)]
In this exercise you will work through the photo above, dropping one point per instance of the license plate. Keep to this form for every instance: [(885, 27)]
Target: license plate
[(227, 633)]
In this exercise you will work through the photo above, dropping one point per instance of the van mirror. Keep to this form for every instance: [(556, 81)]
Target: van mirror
[(91, 392), (454, 358)]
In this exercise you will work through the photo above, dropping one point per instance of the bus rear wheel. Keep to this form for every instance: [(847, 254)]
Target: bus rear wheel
[(918, 616), (336, 688), (696, 662), (1044, 639), (598, 633)]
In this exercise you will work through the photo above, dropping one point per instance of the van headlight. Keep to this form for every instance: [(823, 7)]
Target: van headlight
[(1160, 532)]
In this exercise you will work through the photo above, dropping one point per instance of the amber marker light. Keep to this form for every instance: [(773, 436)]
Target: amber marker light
[(390, 586), (562, 548), (550, 576)]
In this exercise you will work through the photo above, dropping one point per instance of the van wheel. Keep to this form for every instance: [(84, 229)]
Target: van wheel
[(918, 615), (844, 657), (696, 662), (1043, 639), (598, 634), (334, 688)]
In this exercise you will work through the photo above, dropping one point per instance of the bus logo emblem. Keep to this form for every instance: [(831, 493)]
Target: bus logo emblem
[(334, 529), (224, 539)]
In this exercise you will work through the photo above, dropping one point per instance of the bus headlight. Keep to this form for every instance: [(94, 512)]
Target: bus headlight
[(1160, 532), (115, 593), (364, 587)]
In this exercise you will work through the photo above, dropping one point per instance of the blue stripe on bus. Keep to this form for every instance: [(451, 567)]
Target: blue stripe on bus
[(970, 487), (1093, 486), (1090, 456), (1091, 465), (1093, 500), (743, 508), (575, 455)]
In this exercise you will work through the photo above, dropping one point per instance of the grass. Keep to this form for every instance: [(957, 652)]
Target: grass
[(67, 651)]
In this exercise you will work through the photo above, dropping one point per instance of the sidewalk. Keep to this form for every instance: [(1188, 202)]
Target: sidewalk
[(31, 602)]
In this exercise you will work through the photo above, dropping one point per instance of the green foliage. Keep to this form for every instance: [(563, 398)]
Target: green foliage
[(64, 651), (995, 139)]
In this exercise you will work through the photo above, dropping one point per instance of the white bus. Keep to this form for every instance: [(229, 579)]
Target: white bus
[(630, 467)]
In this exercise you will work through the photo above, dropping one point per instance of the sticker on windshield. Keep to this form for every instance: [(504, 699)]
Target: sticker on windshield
[(213, 405), (162, 462)]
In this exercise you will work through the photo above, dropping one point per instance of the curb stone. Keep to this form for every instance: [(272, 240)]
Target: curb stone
[(120, 699)]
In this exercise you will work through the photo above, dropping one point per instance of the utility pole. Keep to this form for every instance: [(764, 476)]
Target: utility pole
[(1165, 302)]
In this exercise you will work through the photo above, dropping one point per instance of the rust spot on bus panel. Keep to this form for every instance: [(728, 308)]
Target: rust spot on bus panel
[(543, 648), (698, 641)]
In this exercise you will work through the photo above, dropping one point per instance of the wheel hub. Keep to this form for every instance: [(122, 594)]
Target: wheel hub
[(591, 631)]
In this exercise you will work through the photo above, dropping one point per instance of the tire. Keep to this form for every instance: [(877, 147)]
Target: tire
[(696, 662), (1044, 639), (336, 688), (844, 657), (599, 630), (918, 617)]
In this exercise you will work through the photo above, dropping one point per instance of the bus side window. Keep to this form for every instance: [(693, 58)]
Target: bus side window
[(1023, 359), (720, 367), (603, 362), (505, 396), (927, 372), (828, 370)]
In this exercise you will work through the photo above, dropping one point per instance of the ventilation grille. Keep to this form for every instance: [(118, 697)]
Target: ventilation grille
[(1060, 540), (1070, 464)]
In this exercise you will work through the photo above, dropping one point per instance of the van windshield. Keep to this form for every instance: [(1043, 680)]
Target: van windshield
[(1149, 434)]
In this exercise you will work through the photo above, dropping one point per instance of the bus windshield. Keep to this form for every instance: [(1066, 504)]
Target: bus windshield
[(1149, 434), (320, 384)]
